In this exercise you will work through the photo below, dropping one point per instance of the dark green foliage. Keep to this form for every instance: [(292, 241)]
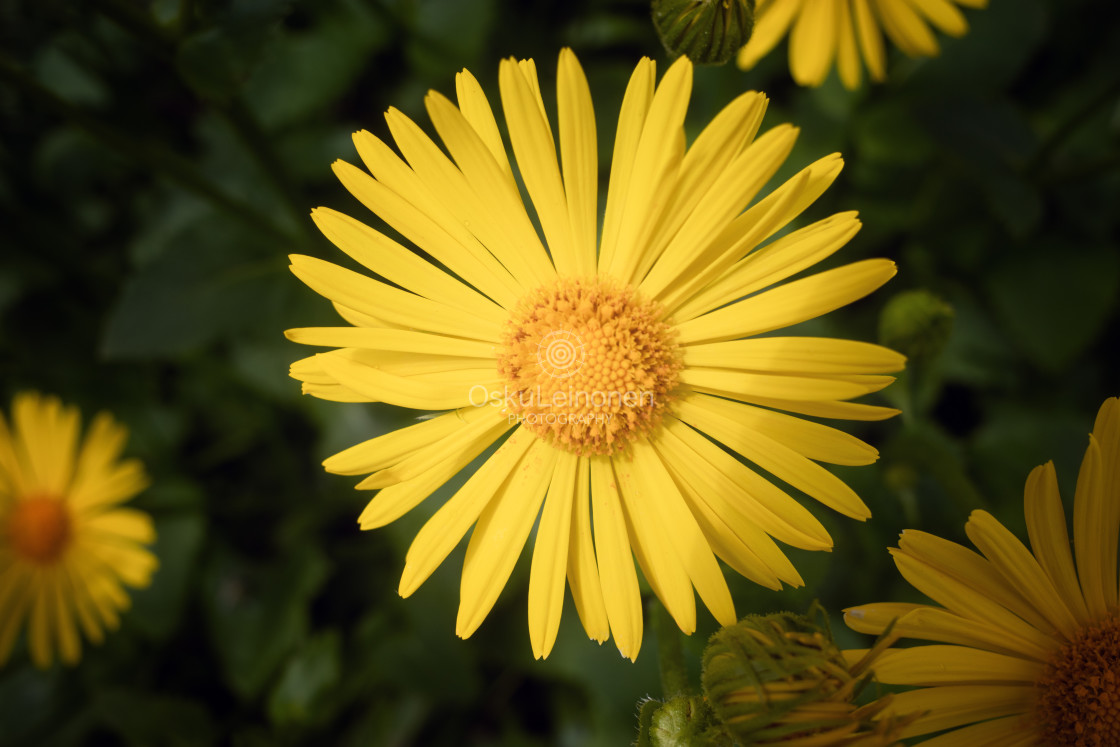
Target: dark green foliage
[(158, 160)]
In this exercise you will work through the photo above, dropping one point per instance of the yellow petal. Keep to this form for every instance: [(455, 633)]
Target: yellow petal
[(400, 340), (655, 553), (366, 295), (476, 110), (841, 410), (812, 43), (870, 40), (793, 355), (1106, 430), (1016, 564), (123, 523), (728, 383), (390, 448), (583, 572), (46, 442), (1046, 526), (414, 392), (579, 155), (847, 53), (906, 28), (772, 21), (448, 525), (717, 418), (621, 596), (944, 15), (396, 500), (1088, 530), (631, 120), (957, 705), (949, 665), (794, 302), (1009, 731), (683, 533), (500, 534), (535, 150), (550, 556), (15, 600)]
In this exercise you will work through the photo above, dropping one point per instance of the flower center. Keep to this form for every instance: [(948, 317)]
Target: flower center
[(588, 365), (39, 529), (1079, 700)]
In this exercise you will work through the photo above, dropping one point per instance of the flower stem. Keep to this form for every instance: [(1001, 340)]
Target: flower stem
[(670, 653)]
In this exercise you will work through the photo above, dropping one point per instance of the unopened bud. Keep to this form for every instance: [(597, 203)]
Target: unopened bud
[(917, 324), (708, 32)]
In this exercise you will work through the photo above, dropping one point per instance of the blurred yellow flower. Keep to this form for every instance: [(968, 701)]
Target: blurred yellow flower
[(1031, 652), (618, 361), (66, 547), (823, 31)]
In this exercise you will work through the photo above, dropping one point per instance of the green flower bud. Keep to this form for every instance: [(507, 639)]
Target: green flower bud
[(781, 680), (917, 324), (708, 32)]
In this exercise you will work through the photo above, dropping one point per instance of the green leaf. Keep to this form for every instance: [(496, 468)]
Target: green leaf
[(144, 719), (157, 609), (310, 675), (257, 612), (1055, 300)]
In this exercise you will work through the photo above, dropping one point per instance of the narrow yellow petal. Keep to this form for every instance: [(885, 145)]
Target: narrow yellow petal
[(729, 383), (500, 534), (390, 448), (748, 493), (796, 355), (39, 633), (477, 111), (683, 533), (621, 596), (46, 442), (847, 52), (957, 705), (15, 599), (717, 418), (906, 28), (1016, 564), (535, 150), (710, 156), (949, 665), (400, 340), (583, 572), (1088, 530), (933, 624), (1009, 731), (1046, 527), (631, 120), (405, 391), (518, 246), (426, 219), (944, 15), (448, 525), (838, 410), (972, 570), (396, 500), (122, 523), (359, 319), (962, 599), (579, 155), (479, 428), (69, 644), (652, 547), (772, 21), (550, 556), (378, 299), (656, 160), (794, 302), (403, 266), (870, 40), (812, 43), (1106, 430)]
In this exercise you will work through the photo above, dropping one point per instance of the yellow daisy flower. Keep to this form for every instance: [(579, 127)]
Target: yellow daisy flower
[(609, 356), (1031, 652), (66, 548), (821, 31)]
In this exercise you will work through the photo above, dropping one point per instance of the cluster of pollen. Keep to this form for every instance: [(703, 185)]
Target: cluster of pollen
[(38, 529), (1079, 695), (588, 365)]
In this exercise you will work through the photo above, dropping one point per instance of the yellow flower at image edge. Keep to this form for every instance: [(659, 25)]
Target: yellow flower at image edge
[(618, 362), (842, 31), (1029, 640), (66, 547)]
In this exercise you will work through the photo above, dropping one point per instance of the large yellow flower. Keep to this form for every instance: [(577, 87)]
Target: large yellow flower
[(608, 357), (821, 31), (66, 546), (1032, 639)]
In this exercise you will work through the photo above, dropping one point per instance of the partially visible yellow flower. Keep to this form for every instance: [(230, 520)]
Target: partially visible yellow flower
[(823, 31), (615, 358), (1029, 640), (66, 547)]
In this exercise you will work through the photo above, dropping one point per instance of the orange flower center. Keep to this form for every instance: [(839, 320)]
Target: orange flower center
[(588, 365), (39, 529), (1079, 695)]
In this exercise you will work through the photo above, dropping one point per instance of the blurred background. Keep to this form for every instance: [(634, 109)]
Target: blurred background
[(158, 160)]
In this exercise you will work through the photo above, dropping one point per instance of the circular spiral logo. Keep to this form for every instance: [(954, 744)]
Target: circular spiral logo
[(560, 353)]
